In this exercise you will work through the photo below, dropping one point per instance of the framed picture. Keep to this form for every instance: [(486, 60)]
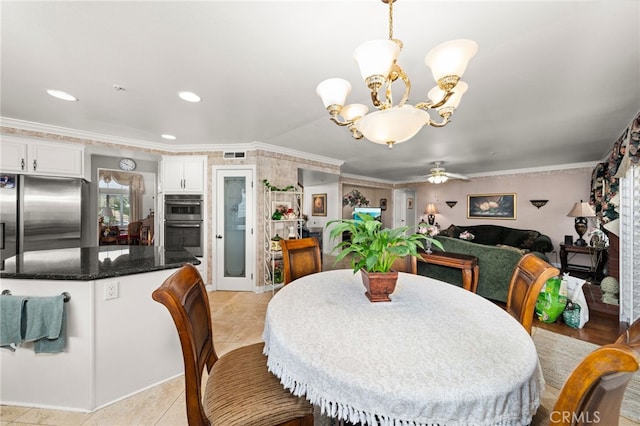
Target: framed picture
[(383, 204), (491, 206), (319, 205), (281, 206), (410, 203)]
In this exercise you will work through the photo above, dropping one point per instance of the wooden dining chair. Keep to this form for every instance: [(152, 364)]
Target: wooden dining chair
[(133, 232), (594, 391), (631, 336), (239, 389), (407, 264), (300, 257), (527, 280)]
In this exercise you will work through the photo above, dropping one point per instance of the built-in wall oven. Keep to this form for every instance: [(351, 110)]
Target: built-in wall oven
[(183, 222)]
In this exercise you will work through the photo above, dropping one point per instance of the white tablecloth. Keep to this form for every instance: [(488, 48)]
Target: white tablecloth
[(435, 354)]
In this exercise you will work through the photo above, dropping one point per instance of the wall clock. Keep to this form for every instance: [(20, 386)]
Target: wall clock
[(127, 164)]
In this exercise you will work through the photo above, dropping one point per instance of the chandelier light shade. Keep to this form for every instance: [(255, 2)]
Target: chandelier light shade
[(581, 211), (392, 124)]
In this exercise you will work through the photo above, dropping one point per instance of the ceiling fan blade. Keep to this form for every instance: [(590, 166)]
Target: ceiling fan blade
[(455, 176)]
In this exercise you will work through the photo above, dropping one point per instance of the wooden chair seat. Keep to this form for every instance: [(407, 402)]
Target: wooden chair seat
[(240, 380)]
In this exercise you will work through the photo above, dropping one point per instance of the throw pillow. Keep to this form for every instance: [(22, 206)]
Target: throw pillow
[(515, 238), (529, 242), (452, 231)]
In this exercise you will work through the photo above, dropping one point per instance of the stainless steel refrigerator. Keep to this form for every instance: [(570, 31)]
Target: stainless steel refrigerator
[(40, 213)]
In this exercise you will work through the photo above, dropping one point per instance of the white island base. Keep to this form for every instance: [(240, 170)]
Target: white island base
[(114, 348)]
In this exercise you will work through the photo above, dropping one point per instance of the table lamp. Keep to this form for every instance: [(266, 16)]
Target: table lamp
[(581, 211), (431, 212), (107, 213)]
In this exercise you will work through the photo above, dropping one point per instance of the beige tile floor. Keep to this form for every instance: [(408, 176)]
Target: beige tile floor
[(238, 319)]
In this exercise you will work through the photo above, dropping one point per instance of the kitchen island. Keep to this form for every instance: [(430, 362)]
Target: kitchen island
[(118, 340)]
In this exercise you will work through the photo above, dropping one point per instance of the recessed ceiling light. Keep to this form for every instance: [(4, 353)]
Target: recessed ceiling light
[(170, 137), (189, 96), (62, 95)]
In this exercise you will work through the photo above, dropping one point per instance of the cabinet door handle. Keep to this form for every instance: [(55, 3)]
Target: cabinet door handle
[(218, 236), (22, 164), (35, 165)]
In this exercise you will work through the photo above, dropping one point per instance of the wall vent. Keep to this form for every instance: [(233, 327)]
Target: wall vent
[(228, 155)]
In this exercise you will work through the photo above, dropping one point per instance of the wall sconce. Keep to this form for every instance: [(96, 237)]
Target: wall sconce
[(539, 203), (451, 203), (431, 211)]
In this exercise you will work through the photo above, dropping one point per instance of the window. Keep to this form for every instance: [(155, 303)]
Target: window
[(116, 197)]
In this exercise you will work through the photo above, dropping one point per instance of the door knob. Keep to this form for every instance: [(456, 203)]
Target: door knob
[(218, 236)]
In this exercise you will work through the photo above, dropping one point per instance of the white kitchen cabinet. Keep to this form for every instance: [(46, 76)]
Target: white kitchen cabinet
[(183, 173), (41, 158)]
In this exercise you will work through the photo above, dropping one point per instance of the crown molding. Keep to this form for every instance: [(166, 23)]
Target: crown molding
[(159, 146)]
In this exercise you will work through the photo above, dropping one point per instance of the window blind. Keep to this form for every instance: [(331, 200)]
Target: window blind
[(630, 245)]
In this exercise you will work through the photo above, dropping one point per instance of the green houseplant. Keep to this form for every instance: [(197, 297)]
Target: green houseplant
[(373, 250)]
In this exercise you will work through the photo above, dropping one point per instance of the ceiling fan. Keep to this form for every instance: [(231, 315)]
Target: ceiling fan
[(439, 175)]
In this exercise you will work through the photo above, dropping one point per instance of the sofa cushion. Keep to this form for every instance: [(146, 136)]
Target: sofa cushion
[(486, 234), (515, 237), (530, 241), (452, 231)]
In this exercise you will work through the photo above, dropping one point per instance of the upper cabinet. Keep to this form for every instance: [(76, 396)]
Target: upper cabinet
[(41, 158), (183, 173)]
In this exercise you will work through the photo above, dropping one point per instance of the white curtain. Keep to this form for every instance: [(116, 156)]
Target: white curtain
[(135, 182)]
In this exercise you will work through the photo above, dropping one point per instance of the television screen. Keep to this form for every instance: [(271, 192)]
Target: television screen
[(375, 212)]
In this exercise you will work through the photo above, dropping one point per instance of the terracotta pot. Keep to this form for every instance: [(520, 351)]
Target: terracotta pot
[(379, 285)]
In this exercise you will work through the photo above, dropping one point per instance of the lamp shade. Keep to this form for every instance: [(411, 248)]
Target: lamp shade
[(352, 111), (450, 58), (431, 209), (106, 212), (333, 91), (376, 57), (436, 94), (393, 125), (581, 209)]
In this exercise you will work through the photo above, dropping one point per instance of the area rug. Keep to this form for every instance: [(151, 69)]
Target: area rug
[(560, 354)]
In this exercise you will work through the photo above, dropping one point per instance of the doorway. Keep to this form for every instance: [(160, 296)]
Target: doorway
[(235, 223), (404, 201)]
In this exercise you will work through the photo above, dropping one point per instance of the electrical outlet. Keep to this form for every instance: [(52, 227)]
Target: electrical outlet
[(111, 290)]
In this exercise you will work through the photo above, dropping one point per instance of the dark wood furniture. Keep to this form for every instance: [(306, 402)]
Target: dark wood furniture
[(133, 232), (594, 390), (593, 271), (408, 264), (527, 280), (109, 235), (467, 264), (300, 257), (239, 390)]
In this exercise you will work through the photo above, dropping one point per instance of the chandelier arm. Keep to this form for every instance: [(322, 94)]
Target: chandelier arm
[(342, 123), (407, 86), (444, 122)]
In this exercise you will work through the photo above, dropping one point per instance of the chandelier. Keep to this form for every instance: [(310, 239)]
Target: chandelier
[(392, 124)]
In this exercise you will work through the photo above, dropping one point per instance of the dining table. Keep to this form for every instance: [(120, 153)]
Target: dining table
[(435, 354)]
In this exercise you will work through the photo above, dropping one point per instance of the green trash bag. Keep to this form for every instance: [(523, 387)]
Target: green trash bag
[(552, 300)]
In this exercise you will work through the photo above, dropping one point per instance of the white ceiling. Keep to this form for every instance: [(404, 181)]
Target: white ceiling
[(553, 82)]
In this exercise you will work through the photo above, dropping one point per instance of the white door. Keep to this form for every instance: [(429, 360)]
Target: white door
[(234, 235), (404, 201)]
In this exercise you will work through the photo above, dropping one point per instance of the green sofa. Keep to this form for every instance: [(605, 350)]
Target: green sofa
[(496, 259)]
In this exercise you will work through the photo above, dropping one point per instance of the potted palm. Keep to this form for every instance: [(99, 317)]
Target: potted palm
[(373, 250)]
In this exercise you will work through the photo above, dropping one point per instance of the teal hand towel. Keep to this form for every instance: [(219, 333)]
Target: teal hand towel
[(45, 319), (11, 321)]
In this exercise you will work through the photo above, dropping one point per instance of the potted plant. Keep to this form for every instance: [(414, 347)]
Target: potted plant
[(373, 250)]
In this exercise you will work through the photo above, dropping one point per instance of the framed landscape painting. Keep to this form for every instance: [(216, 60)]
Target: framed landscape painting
[(491, 206)]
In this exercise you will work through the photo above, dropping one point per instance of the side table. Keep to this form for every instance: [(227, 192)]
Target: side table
[(597, 259), (467, 264)]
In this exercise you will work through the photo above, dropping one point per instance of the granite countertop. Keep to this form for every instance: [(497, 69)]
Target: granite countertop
[(92, 263)]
